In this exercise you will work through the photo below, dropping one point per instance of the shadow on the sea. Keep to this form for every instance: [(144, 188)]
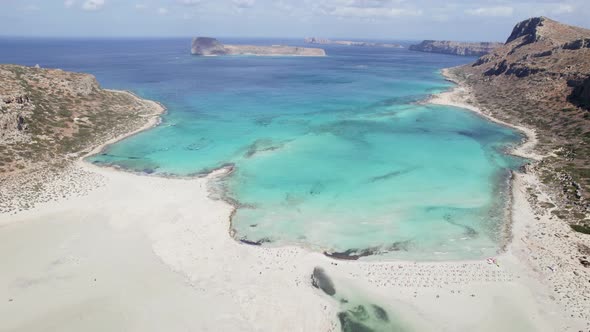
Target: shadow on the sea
[(354, 315), (131, 164), (262, 145), (391, 175), (355, 254), (119, 157), (468, 231), (198, 145), (395, 101)]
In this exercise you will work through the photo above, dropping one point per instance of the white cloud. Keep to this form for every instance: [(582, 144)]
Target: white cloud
[(31, 8), (140, 6), (564, 9), (92, 5), (69, 3), (373, 12), (162, 11), (491, 11), (189, 2), (244, 3)]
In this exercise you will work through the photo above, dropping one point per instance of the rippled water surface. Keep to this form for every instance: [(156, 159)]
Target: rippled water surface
[(334, 153)]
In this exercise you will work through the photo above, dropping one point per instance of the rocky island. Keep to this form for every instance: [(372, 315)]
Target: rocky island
[(205, 46), (323, 41), (455, 48)]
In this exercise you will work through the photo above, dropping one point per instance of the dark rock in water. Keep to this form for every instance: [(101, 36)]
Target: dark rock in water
[(360, 312), (349, 324), (399, 246), (320, 280), (148, 171), (255, 243), (380, 313), (355, 254), (351, 254)]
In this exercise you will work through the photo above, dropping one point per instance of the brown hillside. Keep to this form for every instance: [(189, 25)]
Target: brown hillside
[(541, 79)]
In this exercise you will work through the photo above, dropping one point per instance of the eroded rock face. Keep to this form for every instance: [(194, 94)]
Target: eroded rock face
[(527, 29), (581, 93), (455, 48), (207, 46)]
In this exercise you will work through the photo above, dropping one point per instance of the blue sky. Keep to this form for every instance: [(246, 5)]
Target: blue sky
[(378, 19)]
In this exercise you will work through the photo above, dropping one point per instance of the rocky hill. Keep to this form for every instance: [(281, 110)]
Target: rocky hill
[(205, 46), (323, 41), (455, 48), (48, 118), (541, 79)]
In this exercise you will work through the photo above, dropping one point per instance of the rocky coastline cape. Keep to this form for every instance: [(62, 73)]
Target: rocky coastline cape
[(322, 41), (48, 119), (455, 48), (206, 46), (541, 79)]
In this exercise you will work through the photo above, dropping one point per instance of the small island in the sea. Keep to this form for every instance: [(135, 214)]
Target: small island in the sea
[(323, 41), (455, 47), (206, 46)]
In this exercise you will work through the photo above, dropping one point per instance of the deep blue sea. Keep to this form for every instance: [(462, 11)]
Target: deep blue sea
[(334, 153)]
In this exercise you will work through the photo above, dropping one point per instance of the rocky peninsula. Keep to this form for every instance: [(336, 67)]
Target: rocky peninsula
[(455, 48), (205, 46), (48, 119), (539, 82), (323, 41)]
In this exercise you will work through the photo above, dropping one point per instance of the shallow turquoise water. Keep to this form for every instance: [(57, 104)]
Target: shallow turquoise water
[(333, 153)]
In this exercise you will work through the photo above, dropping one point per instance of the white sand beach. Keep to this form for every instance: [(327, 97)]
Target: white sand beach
[(143, 253)]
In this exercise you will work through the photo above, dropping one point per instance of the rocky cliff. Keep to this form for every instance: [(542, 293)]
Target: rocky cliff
[(322, 41), (46, 114), (541, 79), (455, 48), (205, 46)]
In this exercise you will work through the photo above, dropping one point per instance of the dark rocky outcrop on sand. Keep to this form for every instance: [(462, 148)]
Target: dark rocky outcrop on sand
[(320, 280), (206, 46), (323, 41), (455, 48)]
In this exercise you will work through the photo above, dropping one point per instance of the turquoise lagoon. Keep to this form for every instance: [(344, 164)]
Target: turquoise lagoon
[(335, 153)]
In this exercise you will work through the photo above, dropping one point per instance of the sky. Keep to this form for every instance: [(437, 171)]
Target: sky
[(474, 20)]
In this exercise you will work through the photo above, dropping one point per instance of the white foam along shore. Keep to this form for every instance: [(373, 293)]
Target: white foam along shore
[(143, 253)]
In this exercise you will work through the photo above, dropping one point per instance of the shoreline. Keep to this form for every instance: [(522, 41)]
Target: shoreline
[(458, 96), (189, 272), (153, 121)]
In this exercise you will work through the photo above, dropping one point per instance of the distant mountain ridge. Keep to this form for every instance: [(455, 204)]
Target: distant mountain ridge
[(455, 48), (323, 41), (206, 46)]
